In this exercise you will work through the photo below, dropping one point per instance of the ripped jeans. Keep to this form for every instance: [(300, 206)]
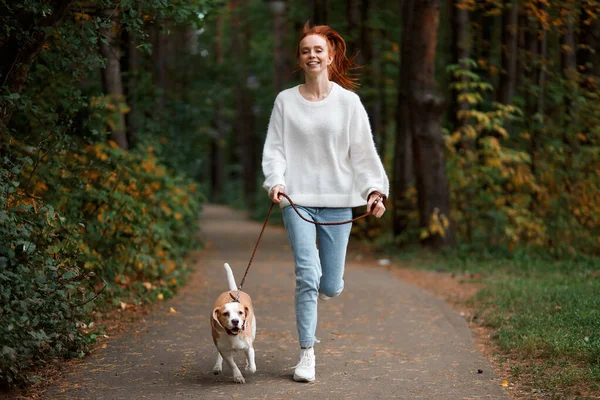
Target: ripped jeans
[(318, 270)]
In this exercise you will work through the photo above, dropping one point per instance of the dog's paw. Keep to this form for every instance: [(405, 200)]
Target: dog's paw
[(239, 379), (251, 369), (217, 370)]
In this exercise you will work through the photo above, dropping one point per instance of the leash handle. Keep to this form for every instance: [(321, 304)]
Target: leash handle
[(329, 223), (237, 297)]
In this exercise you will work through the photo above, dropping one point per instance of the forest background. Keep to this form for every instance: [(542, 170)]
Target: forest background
[(120, 118)]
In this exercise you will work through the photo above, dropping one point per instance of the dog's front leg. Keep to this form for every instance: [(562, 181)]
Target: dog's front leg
[(250, 364), (218, 368), (237, 374)]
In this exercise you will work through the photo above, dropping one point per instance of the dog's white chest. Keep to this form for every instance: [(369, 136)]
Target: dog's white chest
[(230, 343)]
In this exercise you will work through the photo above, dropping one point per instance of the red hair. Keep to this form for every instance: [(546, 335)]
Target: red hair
[(339, 69)]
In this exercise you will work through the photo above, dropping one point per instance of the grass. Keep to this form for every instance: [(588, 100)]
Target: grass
[(545, 314)]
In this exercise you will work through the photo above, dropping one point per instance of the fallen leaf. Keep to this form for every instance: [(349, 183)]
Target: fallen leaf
[(160, 296), (504, 383), (172, 310), (124, 305)]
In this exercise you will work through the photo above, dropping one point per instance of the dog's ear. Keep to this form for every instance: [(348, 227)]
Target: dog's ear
[(247, 310), (215, 316)]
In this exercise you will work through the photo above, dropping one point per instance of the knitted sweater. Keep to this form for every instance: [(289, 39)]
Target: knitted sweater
[(322, 151)]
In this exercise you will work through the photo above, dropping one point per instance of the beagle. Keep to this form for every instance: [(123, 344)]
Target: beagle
[(233, 328)]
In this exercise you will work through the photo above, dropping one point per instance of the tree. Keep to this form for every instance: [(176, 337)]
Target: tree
[(459, 47), (131, 65), (588, 56), (245, 121), (281, 62), (218, 145), (111, 76), (18, 51), (419, 121), (320, 8), (508, 77)]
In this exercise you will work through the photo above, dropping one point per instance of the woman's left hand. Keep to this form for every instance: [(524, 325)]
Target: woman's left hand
[(378, 208)]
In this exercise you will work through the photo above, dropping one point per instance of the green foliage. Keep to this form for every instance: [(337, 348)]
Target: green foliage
[(84, 221), (84, 225), (42, 284), (507, 192)]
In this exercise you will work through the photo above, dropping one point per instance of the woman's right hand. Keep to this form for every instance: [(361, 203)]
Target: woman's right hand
[(275, 193)]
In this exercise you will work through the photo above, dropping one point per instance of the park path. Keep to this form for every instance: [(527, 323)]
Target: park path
[(381, 339)]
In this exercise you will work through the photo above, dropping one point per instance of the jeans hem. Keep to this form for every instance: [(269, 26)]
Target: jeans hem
[(307, 343)]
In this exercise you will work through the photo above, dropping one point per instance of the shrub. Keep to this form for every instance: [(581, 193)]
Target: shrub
[(82, 222)]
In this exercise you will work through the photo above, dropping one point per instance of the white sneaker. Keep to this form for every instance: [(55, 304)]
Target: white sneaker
[(324, 297), (305, 370)]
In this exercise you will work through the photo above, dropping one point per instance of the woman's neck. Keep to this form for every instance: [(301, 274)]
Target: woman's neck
[(315, 89)]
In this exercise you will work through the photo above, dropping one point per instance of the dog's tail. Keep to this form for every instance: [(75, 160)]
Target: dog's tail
[(230, 278)]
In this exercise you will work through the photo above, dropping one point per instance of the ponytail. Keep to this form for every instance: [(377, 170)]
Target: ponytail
[(339, 69)]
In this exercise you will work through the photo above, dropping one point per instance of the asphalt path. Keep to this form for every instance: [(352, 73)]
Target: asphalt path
[(381, 339)]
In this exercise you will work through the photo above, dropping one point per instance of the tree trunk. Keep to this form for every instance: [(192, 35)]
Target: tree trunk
[(459, 47), (218, 144), (353, 15), (521, 54), (483, 43), (588, 53), (282, 63), (379, 107), (18, 53), (111, 76), (403, 174), (508, 77), (569, 69), (159, 61), (425, 130), (540, 81), (131, 66), (244, 124), (320, 8)]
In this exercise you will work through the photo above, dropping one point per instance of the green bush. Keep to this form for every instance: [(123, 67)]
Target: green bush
[(85, 221)]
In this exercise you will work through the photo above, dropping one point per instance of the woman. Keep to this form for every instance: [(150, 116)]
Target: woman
[(320, 151)]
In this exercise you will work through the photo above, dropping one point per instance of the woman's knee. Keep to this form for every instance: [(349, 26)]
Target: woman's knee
[(330, 290)]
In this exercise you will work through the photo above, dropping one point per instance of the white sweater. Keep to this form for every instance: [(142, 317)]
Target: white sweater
[(322, 151)]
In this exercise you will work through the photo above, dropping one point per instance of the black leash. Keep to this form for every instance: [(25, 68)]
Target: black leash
[(237, 297)]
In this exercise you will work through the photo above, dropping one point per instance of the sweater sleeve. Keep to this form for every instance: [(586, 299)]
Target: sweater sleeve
[(368, 168), (273, 158)]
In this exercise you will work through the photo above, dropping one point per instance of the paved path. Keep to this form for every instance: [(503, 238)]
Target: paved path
[(382, 339)]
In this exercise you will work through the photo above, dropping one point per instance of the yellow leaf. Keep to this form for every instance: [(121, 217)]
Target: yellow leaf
[(504, 383), (172, 310), (124, 305), (160, 296)]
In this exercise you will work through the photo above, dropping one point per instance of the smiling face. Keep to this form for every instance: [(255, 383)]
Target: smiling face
[(314, 55), (231, 316)]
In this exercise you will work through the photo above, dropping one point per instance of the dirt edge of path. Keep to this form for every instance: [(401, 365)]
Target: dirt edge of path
[(458, 291)]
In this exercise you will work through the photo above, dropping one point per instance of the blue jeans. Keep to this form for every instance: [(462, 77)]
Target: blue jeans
[(317, 269)]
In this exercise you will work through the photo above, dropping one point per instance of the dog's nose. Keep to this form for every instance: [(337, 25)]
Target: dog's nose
[(235, 322)]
